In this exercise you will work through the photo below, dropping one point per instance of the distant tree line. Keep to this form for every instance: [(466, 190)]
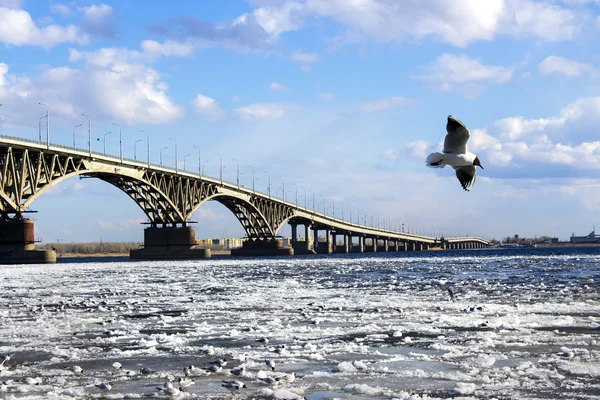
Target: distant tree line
[(105, 247)]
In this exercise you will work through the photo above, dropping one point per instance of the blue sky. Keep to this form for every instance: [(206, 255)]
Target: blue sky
[(342, 98)]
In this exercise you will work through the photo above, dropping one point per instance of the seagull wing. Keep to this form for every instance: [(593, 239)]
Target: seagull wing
[(457, 137), (466, 176)]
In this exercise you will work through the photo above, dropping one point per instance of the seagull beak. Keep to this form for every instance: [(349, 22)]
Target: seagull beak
[(480, 166)]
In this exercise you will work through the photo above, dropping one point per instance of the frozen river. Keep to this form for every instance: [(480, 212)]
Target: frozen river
[(515, 324)]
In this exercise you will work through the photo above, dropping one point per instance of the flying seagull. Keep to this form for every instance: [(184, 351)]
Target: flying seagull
[(456, 155)]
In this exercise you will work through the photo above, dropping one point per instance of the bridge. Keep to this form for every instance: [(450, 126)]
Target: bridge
[(169, 197)]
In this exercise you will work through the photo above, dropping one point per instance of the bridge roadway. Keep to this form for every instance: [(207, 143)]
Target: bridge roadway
[(169, 197)]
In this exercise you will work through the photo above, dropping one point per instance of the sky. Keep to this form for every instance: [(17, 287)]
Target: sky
[(338, 99)]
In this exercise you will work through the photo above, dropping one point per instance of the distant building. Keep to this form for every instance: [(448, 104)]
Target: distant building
[(590, 238), (553, 240)]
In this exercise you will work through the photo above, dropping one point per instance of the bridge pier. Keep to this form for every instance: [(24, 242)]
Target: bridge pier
[(383, 247), (301, 247), (17, 244), (262, 248), (169, 243), (372, 248)]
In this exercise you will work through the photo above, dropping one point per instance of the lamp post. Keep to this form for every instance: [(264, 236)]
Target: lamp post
[(220, 168), (47, 124), (40, 128), (268, 187), (89, 133), (176, 168), (134, 150), (160, 154), (203, 167), (301, 187), (148, 142), (184, 160), (107, 133), (238, 173), (120, 141), (282, 188), (75, 127), (250, 166), (199, 161)]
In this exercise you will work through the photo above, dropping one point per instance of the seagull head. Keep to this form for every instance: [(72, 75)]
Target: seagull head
[(477, 162)]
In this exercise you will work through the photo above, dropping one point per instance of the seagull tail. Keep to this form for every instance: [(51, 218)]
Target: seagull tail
[(435, 160)]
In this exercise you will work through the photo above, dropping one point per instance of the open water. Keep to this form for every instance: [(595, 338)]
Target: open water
[(482, 324)]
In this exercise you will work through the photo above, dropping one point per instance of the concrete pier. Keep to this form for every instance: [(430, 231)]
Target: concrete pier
[(262, 248), (17, 244), (169, 243)]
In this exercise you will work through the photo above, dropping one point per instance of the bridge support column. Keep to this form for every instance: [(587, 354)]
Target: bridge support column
[(17, 244), (410, 246), (301, 247), (396, 245), (262, 248), (383, 247), (169, 243), (372, 248)]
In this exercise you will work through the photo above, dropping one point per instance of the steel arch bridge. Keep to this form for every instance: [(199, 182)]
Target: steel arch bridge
[(167, 196)]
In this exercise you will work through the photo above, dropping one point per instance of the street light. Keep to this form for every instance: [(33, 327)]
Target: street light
[(47, 124), (134, 150), (120, 141), (76, 126), (268, 187), (220, 168), (107, 133), (283, 188), (203, 166), (160, 152), (173, 140), (301, 187), (238, 173), (89, 133), (148, 142), (250, 166), (184, 160), (199, 162), (40, 128)]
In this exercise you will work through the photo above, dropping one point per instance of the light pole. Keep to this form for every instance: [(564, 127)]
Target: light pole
[(107, 133), (282, 188), (184, 160), (148, 142), (160, 153), (89, 133), (220, 168), (203, 167), (199, 161), (250, 166), (173, 140), (134, 150), (47, 124), (238, 173), (268, 187), (301, 187), (40, 128), (75, 127), (120, 141)]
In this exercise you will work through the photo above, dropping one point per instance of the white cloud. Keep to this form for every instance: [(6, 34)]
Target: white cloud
[(459, 22), (17, 28), (110, 84), (99, 20), (390, 154), (385, 104), (208, 106), (61, 9), (326, 96), (277, 87), (107, 225), (261, 111), (305, 58), (11, 3), (465, 75), (419, 149), (561, 65), (152, 49)]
